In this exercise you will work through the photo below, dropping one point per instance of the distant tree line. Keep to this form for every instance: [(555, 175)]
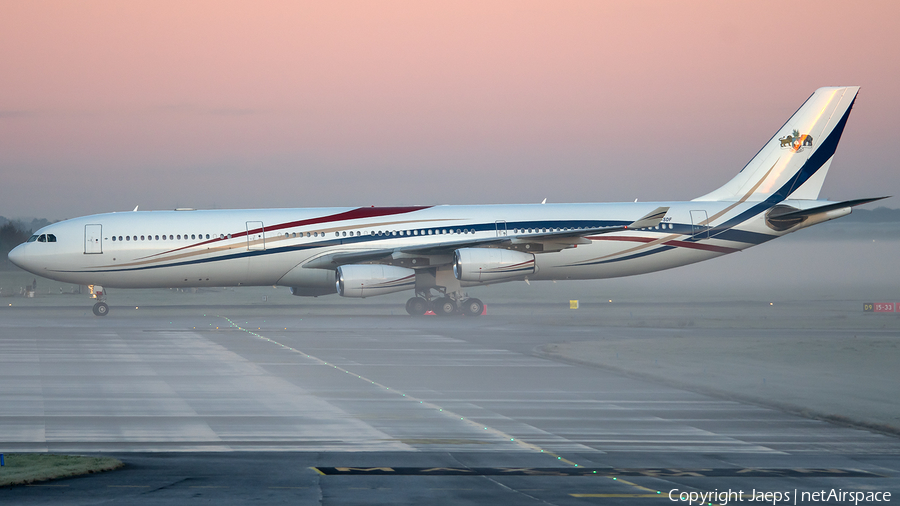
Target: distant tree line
[(877, 215), (10, 237)]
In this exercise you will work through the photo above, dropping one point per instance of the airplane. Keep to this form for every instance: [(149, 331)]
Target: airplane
[(438, 251)]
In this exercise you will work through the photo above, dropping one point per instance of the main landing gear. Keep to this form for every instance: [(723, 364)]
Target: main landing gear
[(444, 306)]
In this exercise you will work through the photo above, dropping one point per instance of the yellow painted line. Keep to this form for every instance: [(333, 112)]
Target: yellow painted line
[(317, 470), (616, 495)]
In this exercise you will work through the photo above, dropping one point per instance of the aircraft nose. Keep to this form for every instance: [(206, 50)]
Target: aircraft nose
[(17, 256)]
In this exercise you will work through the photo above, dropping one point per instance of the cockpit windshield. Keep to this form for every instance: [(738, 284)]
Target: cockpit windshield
[(42, 238)]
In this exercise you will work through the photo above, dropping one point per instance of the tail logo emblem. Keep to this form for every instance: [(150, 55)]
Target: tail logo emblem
[(796, 142)]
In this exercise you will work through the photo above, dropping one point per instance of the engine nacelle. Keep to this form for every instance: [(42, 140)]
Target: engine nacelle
[(485, 265), (370, 280)]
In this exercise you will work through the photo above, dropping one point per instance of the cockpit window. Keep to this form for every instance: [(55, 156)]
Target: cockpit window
[(33, 238), (51, 238)]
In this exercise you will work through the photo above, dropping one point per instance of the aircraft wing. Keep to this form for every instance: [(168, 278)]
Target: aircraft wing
[(442, 253), (651, 219), (387, 255)]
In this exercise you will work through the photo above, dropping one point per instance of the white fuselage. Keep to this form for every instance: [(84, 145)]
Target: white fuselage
[(270, 246)]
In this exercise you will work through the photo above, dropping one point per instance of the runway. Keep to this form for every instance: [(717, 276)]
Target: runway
[(235, 404)]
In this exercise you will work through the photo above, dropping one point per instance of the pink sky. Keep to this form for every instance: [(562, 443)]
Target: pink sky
[(107, 105)]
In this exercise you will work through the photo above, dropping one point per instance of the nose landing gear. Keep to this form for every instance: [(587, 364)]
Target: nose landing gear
[(101, 308)]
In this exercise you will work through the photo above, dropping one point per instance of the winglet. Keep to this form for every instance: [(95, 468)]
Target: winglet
[(652, 219)]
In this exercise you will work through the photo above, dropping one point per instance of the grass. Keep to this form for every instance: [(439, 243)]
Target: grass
[(25, 468)]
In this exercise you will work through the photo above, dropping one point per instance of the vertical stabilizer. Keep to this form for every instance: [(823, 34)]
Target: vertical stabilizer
[(796, 159)]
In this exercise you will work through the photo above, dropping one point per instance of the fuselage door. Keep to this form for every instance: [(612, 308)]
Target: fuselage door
[(501, 228), (700, 227), (93, 239), (256, 236)]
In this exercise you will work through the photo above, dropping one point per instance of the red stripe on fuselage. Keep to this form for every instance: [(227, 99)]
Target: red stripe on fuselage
[(354, 214)]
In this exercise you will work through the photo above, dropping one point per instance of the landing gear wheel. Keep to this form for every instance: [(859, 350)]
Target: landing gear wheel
[(416, 306), (444, 307), (101, 309), (473, 307)]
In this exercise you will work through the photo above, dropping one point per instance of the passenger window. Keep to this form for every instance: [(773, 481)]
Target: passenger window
[(142, 238), (127, 237)]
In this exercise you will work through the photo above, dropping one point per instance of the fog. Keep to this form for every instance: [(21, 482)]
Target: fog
[(734, 319)]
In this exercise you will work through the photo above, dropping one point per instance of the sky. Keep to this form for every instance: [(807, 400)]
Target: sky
[(109, 105)]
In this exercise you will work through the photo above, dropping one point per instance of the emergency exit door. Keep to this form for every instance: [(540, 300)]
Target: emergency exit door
[(256, 236)]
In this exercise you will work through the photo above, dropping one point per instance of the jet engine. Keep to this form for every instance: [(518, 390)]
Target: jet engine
[(485, 265), (370, 280)]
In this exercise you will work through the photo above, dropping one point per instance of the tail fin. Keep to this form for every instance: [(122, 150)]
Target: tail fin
[(796, 159)]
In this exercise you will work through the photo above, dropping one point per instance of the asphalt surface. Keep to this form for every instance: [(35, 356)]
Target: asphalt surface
[(236, 406)]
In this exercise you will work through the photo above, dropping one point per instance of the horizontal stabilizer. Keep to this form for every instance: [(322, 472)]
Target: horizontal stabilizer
[(801, 213)]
